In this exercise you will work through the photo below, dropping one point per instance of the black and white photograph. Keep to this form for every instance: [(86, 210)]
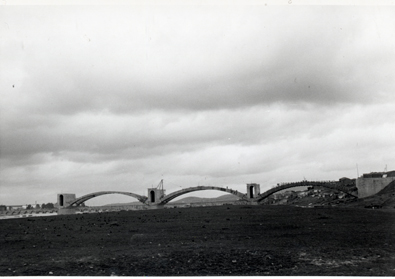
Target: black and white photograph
[(197, 138)]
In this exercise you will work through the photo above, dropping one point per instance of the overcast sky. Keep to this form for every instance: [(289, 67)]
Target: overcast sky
[(119, 97)]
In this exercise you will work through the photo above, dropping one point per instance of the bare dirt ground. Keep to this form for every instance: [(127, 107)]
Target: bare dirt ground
[(225, 240)]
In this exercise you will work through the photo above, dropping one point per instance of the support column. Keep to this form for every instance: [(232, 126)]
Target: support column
[(64, 200), (253, 190), (155, 195)]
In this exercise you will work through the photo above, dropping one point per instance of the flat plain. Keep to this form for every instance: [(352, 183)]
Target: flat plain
[(225, 240)]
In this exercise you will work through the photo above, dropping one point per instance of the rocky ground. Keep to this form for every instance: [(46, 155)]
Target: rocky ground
[(384, 199), (224, 240)]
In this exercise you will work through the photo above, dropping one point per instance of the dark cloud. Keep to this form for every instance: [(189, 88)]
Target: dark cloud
[(248, 57)]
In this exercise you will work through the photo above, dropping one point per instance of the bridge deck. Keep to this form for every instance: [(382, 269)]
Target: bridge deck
[(335, 185), (178, 193)]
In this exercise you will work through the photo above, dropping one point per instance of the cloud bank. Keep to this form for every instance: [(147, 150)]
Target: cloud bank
[(118, 97)]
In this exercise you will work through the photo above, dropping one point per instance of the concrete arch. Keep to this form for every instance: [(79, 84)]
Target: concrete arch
[(176, 194), (335, 185), (82, 199)]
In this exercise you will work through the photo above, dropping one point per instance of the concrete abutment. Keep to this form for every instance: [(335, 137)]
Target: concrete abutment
[(372, 183)]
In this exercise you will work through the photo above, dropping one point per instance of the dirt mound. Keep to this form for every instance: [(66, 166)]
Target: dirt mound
[(389, 189)]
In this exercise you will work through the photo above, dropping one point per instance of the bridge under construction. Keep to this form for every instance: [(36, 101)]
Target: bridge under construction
[(156, 197)]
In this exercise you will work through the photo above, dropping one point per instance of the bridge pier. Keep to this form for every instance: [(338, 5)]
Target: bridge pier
[(64, 200), (155, 194), (253, 190)]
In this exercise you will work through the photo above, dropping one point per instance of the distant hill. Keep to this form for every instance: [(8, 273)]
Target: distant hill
[(227, 197), (121, 204)]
